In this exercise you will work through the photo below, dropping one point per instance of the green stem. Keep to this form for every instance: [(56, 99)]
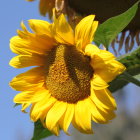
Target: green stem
[(132, 63), (127, 77)]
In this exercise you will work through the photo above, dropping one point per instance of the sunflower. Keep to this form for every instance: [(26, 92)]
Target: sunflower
[(69, 84)]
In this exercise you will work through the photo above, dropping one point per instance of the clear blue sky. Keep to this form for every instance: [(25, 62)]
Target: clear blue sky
[(15, 125)]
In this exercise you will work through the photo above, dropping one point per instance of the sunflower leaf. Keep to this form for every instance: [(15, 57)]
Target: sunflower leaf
[(108, 30), (40, 132)]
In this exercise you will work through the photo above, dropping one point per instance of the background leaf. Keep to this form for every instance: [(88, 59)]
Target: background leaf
[(107, 31), (40, 132)]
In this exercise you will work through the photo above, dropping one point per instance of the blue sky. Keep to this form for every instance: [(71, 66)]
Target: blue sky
[(15, 125)]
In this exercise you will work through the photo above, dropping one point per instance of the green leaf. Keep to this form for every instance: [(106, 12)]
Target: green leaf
[(40, 132), (108, 31)]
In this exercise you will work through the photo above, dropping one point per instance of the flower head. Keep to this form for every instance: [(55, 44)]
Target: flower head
[(69, 84)]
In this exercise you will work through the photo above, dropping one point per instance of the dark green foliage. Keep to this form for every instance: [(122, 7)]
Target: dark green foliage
[(40, 132), (108, 30)]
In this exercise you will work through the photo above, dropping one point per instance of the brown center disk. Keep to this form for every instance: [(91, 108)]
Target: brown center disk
[(68, 74)]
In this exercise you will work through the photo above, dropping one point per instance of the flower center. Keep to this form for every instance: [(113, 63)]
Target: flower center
[(68, 74)]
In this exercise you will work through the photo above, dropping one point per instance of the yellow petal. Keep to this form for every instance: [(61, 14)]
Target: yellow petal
[(54, 114), (67, 117), (91, 50), (40, 26), (18, 46), (108, 71), (104, 63), (78, 127), (106, 55), (24, 27), (41, 108), (103, 99), (22, 61), (62, 31), (24, 106), (30, 96), (98, 57), (98, 115), (85, 31), (55, 130), (82, 117), (97, 83), (30, 80), (31, 43), (108, 114), (45, 104)]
